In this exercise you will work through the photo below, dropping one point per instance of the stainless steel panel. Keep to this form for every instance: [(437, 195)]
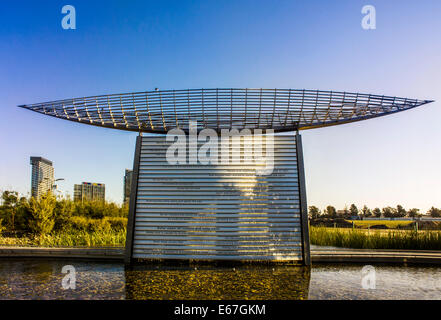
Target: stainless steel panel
[(214, 256), (194, 211), (217, 239)]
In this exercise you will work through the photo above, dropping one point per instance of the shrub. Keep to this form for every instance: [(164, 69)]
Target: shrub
[(82, 238), (99, 225), (42, 214), (63, 213), (98, 209), (117, 223), (107, 224)]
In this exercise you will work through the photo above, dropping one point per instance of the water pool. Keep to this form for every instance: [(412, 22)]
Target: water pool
[(42, 279)]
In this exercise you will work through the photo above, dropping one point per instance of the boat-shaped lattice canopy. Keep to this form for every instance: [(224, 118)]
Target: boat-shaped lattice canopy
[(279, 109)]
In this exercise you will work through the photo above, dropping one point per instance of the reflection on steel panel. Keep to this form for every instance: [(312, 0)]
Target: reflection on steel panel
[(217, 212), (215, 283)]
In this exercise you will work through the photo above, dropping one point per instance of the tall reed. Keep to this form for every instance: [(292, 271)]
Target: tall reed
[(376, 239), (70, 239)]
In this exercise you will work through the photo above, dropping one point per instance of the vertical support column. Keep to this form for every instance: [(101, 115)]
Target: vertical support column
[(132, 203), (303, 204)]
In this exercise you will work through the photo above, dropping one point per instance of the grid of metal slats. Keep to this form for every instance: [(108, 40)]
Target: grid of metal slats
[(278, 109), (221, 212)]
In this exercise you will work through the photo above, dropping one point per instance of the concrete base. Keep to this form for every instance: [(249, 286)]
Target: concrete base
[(107, 253), (318, 255), (375, 256)]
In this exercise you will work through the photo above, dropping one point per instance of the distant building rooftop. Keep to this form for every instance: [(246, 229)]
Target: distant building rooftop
[(41, 159), (93, 183)]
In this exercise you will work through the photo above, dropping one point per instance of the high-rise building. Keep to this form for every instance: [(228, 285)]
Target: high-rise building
[(127, 184), (42, 179), (89, 191)]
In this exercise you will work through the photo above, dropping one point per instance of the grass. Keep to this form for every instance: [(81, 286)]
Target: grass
[(70, 239), (376, 239), (390, 224), (76, 231), (112, 232), (84, 238)]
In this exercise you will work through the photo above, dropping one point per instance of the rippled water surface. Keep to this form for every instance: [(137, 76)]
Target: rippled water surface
[(41, 279)]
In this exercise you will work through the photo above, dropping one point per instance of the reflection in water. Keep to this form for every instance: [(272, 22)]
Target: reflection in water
[(41, 279), (396, 282), (217, 283)]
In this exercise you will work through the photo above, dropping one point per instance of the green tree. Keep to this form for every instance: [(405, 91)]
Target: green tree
[(42, 213), (63, 212), (353, 210), (9, 208), (22, 216), (366, 212), (98, 209), (314, 212), (389, 212), (377, 212), (331, 212), (434, 212), (413, 213), (400, 212)]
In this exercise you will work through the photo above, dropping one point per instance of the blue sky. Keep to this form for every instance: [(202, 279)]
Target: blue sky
[(122, 46)]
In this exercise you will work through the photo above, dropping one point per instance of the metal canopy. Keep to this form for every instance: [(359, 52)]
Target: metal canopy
[(278, 109)]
